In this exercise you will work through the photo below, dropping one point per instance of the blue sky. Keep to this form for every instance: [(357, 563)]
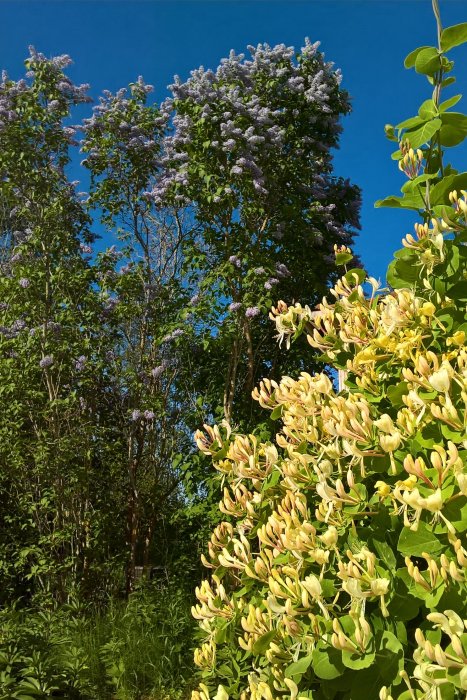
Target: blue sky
[(113, 41)]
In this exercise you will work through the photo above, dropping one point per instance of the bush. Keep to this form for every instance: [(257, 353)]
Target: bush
[(340, 571)]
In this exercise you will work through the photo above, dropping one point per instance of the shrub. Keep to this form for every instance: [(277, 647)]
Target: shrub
[(340, 571)]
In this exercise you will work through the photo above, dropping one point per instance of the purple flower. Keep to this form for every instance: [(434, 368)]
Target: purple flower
[(80, 363), (85, 248), (194, 300), (46, 361), (259, 271), (271, 282), (14, 258), (136, 415), (235, 306), (149, 415), (235, 260), (282, 270), (252, 311), (24, 282), (171, 336), (156, 372)]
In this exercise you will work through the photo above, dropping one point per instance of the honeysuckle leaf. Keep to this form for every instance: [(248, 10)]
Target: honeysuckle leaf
[(327, 661), (414, 543), (427, 61), (410, 59), (453, 36)]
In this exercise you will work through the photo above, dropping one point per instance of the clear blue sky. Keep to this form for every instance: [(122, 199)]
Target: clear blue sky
[(113, 41)]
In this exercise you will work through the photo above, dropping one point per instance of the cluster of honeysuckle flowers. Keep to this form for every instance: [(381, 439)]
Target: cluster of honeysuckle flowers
[(293, 571)]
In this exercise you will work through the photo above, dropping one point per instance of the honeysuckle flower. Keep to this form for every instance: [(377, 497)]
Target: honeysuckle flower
[(390, 443), (440, 380)]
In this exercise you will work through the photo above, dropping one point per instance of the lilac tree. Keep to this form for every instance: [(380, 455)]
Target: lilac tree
[(143, 280), (51, 348), (249, 156)]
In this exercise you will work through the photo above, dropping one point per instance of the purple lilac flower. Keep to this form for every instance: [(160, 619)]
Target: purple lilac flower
[(235, 260), (259, 271), (235, 306), (136, 415), (171, 336), (271, 282), (194, 300), (80, 363), (85, 248), (46, 361), (14, 258), (252, 311), (149, 415), (18, 325), (24, 282), (282, 270), (156, 372)]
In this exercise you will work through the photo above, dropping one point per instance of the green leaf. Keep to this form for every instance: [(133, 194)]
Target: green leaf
[(298, 668), (411, 185), (389, 131), (385, 552), (276, 412), (413, 543), (410, 59), (389, 661), (427, 61), (449, 103), (410, 123), (357, 661), (440, 192), (427, 110), (401, 274), (424, 133), (396, 392), (343, 258), (453, 36), (355, 274), (261, 644), (327, 662), (402, 605), (454, 128), (413, 201)]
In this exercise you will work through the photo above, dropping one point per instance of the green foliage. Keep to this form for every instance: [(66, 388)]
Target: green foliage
[(424, 138), (134, 650)]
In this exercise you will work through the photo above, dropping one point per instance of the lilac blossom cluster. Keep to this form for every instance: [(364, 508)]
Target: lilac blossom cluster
[(146, 415), (252, 312), (173, 336), (47, 361), (250, 106), (133, 128), (61, 91)]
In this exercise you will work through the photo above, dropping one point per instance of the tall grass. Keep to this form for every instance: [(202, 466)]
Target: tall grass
[(140, 649)]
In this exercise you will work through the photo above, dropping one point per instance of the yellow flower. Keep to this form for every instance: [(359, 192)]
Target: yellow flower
[(457, 338)]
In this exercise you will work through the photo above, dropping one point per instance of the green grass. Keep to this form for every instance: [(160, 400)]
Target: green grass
[(140, 649)]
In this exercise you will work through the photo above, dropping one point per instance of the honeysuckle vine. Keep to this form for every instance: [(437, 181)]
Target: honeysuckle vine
[(339, 571)]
